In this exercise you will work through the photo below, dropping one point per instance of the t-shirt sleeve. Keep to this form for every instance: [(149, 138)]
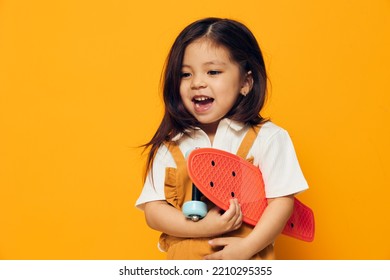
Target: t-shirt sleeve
[(279, 165), (153, 188)]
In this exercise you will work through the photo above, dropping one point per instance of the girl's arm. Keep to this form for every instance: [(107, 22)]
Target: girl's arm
[(270, 225), (165, 218)]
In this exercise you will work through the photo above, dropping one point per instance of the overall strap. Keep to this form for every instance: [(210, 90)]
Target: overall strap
[(178, 184), (248, 140), (176, 154)]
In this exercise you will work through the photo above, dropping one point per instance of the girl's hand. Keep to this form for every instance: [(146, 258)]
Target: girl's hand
[(234, 248), (216, 223), (264, 233)]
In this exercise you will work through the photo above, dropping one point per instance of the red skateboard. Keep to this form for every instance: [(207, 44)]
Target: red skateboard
[(220, 176)]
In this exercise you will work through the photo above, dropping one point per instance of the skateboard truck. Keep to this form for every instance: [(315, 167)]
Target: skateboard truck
[(194, 209)]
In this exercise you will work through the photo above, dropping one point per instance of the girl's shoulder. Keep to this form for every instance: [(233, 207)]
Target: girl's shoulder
[(271, 130), (163, 157)]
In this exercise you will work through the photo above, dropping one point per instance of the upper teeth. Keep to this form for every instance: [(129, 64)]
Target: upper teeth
[(201, 98)]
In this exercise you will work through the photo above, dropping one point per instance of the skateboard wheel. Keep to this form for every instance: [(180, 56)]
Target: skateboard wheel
[(194, 210)]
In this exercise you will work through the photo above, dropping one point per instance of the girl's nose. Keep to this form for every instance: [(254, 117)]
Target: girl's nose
[(198, 82)]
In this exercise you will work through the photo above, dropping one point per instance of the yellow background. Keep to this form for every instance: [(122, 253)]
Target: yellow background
[(79, 85)]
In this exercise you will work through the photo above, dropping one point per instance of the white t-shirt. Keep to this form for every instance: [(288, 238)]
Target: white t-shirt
[(273, 153)]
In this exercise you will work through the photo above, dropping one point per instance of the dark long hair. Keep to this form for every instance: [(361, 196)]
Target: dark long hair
[(243, 49)]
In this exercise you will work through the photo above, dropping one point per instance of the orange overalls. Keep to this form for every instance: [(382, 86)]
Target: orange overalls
[(178, 189)]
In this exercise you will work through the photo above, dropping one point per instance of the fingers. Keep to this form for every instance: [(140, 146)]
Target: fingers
[(214, 256), (226, 251), (218, 242), (233, 209), (233, 215), (216, 223)]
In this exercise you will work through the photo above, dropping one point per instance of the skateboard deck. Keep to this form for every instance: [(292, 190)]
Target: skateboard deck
[(221, 176)]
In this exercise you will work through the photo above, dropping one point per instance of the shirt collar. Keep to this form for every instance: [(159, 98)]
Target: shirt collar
[(237, 126)]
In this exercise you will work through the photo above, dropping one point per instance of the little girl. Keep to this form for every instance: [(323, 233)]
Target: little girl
[(214, 87)]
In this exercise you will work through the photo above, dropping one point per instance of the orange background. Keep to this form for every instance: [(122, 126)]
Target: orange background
[(79, 90)]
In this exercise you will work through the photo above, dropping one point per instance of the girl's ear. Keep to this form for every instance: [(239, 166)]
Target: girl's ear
[(247, 84)]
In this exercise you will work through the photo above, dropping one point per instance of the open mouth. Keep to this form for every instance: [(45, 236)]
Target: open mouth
[(202, 100)]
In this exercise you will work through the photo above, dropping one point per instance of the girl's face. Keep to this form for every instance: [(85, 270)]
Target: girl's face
[(211, 82)]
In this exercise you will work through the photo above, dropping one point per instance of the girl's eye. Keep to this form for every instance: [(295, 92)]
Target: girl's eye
[(185, 75), (214, 72)]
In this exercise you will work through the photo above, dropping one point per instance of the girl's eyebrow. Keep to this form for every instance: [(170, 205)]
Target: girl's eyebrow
[(213, 62)]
